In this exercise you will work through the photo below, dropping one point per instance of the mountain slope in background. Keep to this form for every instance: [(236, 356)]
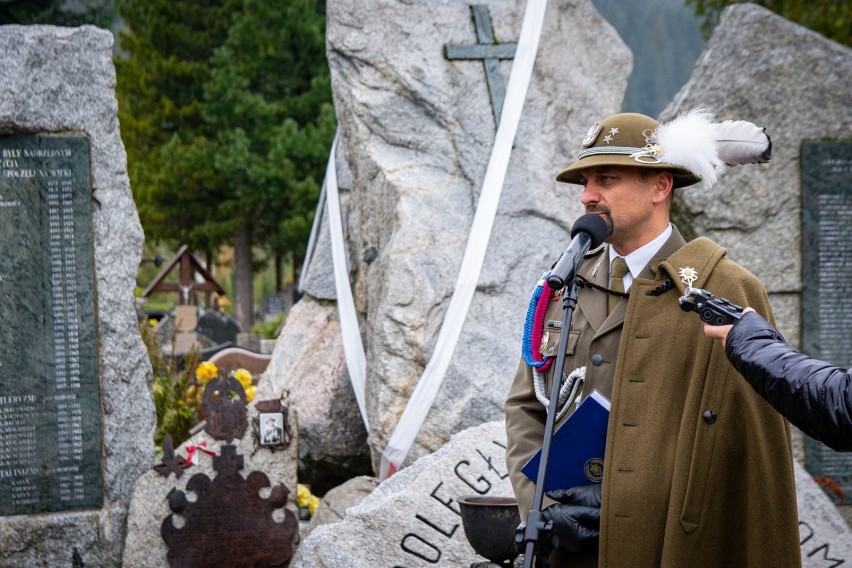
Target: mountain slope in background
[(666, 40)]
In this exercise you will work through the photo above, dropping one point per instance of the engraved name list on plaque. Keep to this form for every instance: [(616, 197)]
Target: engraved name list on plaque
[(50, 429), (827, 280)]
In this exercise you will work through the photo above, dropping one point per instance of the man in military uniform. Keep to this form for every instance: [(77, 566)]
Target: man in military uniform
[(698, 470)]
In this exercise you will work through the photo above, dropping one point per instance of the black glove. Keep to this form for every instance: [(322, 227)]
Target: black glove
[(577, 516)]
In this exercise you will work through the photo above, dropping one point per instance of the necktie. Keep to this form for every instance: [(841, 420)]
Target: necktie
[(619, 269)]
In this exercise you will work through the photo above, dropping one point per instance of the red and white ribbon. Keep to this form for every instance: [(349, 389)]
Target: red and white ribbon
[(192, 455)]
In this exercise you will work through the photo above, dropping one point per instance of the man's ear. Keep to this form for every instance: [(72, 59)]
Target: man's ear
[(663, 186)]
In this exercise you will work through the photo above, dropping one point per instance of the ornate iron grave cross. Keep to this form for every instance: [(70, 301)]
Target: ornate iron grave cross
[(490, 52)]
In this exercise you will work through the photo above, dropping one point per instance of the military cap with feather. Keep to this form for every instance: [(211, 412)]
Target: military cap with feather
[(692, 146)]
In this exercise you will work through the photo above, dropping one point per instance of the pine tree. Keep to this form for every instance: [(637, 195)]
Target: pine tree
[(226, 116), (57, 12), (831, 18)]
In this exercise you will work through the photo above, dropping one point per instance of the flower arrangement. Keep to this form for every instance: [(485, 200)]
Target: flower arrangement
[(244, 378), (305, 499), (176, 411), (207, 371)]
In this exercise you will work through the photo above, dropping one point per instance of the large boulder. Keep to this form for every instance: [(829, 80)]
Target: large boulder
[(59, 80), (417, 131), (760, 67), (308, 365), (413, 519)]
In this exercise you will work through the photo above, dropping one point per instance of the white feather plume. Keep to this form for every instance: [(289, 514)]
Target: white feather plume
[(689, 141), (741, 142), (693, 140)]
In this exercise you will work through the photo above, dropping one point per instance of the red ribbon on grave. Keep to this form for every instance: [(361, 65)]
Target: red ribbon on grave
[(190, 452)]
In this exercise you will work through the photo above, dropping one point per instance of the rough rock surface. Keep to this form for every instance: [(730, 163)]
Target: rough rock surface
[(334, 504), (308, 364), (417, 131), (413, 519), (62, 80), (765, 69)]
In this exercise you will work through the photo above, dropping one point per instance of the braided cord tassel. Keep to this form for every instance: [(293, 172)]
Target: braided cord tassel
[(534, 325)]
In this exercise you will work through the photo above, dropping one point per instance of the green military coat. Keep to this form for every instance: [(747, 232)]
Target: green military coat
[(698, 470)]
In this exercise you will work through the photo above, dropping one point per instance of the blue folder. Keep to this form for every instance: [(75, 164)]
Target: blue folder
[(577, 452)]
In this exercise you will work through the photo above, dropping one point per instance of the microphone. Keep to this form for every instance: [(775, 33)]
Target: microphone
[(589, 231)]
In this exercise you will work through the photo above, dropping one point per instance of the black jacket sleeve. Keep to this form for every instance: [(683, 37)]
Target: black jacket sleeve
[(813, 395)]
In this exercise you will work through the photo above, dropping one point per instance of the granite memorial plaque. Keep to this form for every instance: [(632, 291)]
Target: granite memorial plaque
[(827, 280), (50, 437)]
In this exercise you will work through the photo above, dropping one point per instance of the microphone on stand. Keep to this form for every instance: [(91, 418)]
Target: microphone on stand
[(589, 231)]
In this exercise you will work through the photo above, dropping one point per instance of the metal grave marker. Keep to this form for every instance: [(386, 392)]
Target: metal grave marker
[(231, 521), (50, 431), (827, 281), (490, 52)]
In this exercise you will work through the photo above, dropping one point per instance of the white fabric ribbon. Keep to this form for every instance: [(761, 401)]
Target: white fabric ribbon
[(353, 348), (480, 232)]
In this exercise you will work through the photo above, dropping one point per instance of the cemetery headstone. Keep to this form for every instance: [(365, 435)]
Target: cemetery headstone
[(231, 505), (76, 414), (827, 286), (229, 523), (218, 327)]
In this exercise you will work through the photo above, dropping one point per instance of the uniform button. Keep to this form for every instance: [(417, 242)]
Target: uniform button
[(709, 416), (597, 360)]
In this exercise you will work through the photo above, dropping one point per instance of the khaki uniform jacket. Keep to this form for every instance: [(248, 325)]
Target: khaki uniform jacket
[(698, 469)]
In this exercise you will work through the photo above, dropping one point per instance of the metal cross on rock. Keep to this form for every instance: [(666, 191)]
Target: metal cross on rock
[(489, 52)]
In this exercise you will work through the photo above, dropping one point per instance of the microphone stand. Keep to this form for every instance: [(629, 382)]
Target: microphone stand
[(535, 529)]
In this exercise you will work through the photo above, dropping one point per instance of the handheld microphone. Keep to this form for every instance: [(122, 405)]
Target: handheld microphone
[(589, 231)]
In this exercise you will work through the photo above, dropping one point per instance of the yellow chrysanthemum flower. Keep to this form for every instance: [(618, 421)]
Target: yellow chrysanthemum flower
[(302, 495), (206, 371), (313, 503), (250, 393), (244, 377), (305, 499)]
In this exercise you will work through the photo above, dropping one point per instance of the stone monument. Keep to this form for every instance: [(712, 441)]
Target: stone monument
[(76, 415), (417, 126), (413, 518), (827, 291)]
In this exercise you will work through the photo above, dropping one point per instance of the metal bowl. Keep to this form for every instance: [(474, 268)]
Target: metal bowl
[(489, 525)]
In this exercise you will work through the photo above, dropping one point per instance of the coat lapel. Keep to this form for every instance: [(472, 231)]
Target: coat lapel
[(590, 301), (616, 318)]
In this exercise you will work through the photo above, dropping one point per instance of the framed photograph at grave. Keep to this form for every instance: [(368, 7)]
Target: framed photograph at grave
[(271, 430)]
